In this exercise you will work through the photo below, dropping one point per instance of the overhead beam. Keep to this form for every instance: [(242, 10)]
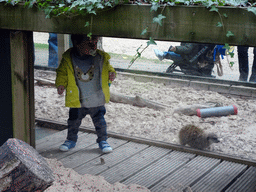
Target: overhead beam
[(182, 23)]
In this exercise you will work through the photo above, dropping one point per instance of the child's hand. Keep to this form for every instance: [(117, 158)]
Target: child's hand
[(60, 89), (112, 76)]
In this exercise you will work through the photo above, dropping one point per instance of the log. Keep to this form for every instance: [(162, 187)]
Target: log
[(44, 82), (136, 101), (191, 109), (22, 168), (115, 97)]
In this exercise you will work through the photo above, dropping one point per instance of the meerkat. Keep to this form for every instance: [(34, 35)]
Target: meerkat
[(196, 138)]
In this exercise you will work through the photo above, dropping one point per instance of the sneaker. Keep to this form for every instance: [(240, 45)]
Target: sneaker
[(105, 147), (159, 54), (67, 145)]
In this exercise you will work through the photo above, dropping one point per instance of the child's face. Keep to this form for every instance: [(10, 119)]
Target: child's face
[(86, 45)]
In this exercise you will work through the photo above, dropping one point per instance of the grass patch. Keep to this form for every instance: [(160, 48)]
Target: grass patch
[(41, 46)]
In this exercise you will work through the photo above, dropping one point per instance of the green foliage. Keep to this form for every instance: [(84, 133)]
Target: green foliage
[(144, 31), (226, 46), (252, 9), (230, 34), (158, 19), (71, 8), (219, 24), (151, 42)]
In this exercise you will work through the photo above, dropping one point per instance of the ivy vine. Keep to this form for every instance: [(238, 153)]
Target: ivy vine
[(71, 8)]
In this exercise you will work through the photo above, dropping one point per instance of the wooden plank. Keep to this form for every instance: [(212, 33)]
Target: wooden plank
[(22, 62), (219, 177), (247, 182), (84, 140), (198, 24), (53, 140), (118, 155), (160, 169), (56, 136), (87, 154), (134, 164), (186, 175)]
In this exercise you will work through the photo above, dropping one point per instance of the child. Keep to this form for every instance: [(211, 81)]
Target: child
[(85, 73)]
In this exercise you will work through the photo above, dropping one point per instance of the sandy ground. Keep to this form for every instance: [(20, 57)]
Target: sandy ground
[(67, 180), (237, 133)]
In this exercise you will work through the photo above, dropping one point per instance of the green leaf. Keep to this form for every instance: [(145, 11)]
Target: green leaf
[(214, 8), (66, 9), (231, 54), (158, 19), (171, 3), (154, 6), (25, 5), (208, 3), (219, 24), (144, 31), (151, 41), (231, 63), (137, 50), (89, 35), (252, 9), (226, 46), (225, 15), (100, 6), (87, 24), (229, 34)]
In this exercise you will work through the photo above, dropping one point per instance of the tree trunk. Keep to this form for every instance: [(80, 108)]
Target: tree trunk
[(136, 101), (22, 168)]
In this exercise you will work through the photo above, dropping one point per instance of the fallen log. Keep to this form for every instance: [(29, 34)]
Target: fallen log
[(136, 101), (116, 98), (191, 109), (22, 168), (44, 82)]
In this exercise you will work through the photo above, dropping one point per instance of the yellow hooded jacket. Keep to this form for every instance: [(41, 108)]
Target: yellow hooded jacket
[(65, 76)]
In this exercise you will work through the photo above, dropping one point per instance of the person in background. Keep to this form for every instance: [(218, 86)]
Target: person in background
[(85, 73), (244, 64), (187, 57), (53, 50)]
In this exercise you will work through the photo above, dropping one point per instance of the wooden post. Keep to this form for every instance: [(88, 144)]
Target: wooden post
[(63, 45), (22, 72)]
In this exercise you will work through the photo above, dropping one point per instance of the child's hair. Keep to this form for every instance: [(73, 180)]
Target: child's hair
[(78, 38)]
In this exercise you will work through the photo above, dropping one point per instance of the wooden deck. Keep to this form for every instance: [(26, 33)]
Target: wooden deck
[(157, 168)]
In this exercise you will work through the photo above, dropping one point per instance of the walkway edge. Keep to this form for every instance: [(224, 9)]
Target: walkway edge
[(61, 126)]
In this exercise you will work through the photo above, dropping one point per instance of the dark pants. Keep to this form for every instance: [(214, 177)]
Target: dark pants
[(244, 65), (75, 119), (53, 50)]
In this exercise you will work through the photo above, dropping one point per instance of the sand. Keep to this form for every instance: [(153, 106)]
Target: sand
[(67, 180), (237, 133)]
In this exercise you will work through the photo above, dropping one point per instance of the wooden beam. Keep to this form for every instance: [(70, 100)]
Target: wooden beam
[(182, 23), (22, 60)]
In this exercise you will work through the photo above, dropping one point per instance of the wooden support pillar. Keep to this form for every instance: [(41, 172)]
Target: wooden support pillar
[(22, 74), (63, 45)]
